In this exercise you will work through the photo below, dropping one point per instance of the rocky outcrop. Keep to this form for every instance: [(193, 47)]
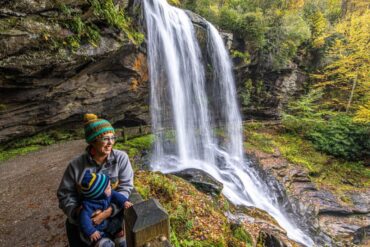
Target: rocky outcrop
[(46, 81), (267, 239), (345, 220), (262, 89), (201, 180), (264, 229), (268, 90)]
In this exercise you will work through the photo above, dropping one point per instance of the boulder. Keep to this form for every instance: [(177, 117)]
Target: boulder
[(269, 239), (201, 180)]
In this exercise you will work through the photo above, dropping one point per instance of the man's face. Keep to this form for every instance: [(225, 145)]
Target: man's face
[(104, 144), (108, 190)]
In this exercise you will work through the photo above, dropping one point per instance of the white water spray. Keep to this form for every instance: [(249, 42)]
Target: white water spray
[(181, 115)]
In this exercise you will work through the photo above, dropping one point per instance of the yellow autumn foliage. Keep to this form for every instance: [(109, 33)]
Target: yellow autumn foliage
[(363, 114), (348, 72)]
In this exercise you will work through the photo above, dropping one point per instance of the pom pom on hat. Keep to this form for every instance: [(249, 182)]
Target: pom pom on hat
[(95, 127), (93, 185), (90, 117)]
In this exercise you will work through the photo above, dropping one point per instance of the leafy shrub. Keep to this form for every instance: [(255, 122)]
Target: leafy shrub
[(250, 25), (333, 133), (303, 114), (246, 94), (341, 137)]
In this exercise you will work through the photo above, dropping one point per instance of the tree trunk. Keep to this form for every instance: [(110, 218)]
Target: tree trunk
[(344, 7), (352, 92)]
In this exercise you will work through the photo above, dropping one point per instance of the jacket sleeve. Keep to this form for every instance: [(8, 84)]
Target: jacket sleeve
[(86, 225), (125, 176), (118, 199), (67, 194), (126, 180)]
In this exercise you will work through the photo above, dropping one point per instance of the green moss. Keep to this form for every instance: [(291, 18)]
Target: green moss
[(143, 142), (28, 144), (66, 10), (253, 125), (8, 24), (5, 155), (260, 141), (3, 107), (225, 205), (343, 176), (301, 152), (242, 235), (174, 2), (162, 187), (134, 146)]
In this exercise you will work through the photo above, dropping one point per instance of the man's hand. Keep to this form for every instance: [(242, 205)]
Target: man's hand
[(99, 216), (95, 236), (127, 204)]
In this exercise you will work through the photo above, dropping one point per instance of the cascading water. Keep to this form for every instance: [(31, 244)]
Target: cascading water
[(182, 121)]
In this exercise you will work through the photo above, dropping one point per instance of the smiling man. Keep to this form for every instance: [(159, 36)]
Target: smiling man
[(99, 157)]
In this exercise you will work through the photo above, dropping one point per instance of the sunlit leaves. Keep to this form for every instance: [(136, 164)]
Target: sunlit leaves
[(349, 65)]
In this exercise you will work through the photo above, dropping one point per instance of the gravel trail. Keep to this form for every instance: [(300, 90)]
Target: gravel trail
[(29, 213)]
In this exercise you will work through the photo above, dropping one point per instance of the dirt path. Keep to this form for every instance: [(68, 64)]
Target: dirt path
[(29, 213)]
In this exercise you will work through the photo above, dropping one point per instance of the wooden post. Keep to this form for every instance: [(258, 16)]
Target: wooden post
[(147, 224), (135, 197)]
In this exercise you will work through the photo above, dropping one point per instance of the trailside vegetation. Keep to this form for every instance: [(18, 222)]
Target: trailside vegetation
[(87, 27)]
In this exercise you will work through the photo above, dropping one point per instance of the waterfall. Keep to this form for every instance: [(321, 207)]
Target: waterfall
[(186, 116)]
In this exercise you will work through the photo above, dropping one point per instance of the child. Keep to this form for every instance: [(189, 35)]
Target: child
[(97, 195)]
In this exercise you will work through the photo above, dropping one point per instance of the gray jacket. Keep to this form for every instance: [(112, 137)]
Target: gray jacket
[(117, 167)]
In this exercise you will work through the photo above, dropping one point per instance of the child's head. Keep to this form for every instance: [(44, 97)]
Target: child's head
[(94, 186)]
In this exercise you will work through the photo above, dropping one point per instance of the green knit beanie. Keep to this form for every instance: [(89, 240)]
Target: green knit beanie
[(95, 127)]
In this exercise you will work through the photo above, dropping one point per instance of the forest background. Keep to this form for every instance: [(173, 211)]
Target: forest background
[(330, 41)]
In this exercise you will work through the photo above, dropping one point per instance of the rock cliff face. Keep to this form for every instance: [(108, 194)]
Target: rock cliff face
[(267, 90), (46, 80), (345, 221), (263, 91)]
